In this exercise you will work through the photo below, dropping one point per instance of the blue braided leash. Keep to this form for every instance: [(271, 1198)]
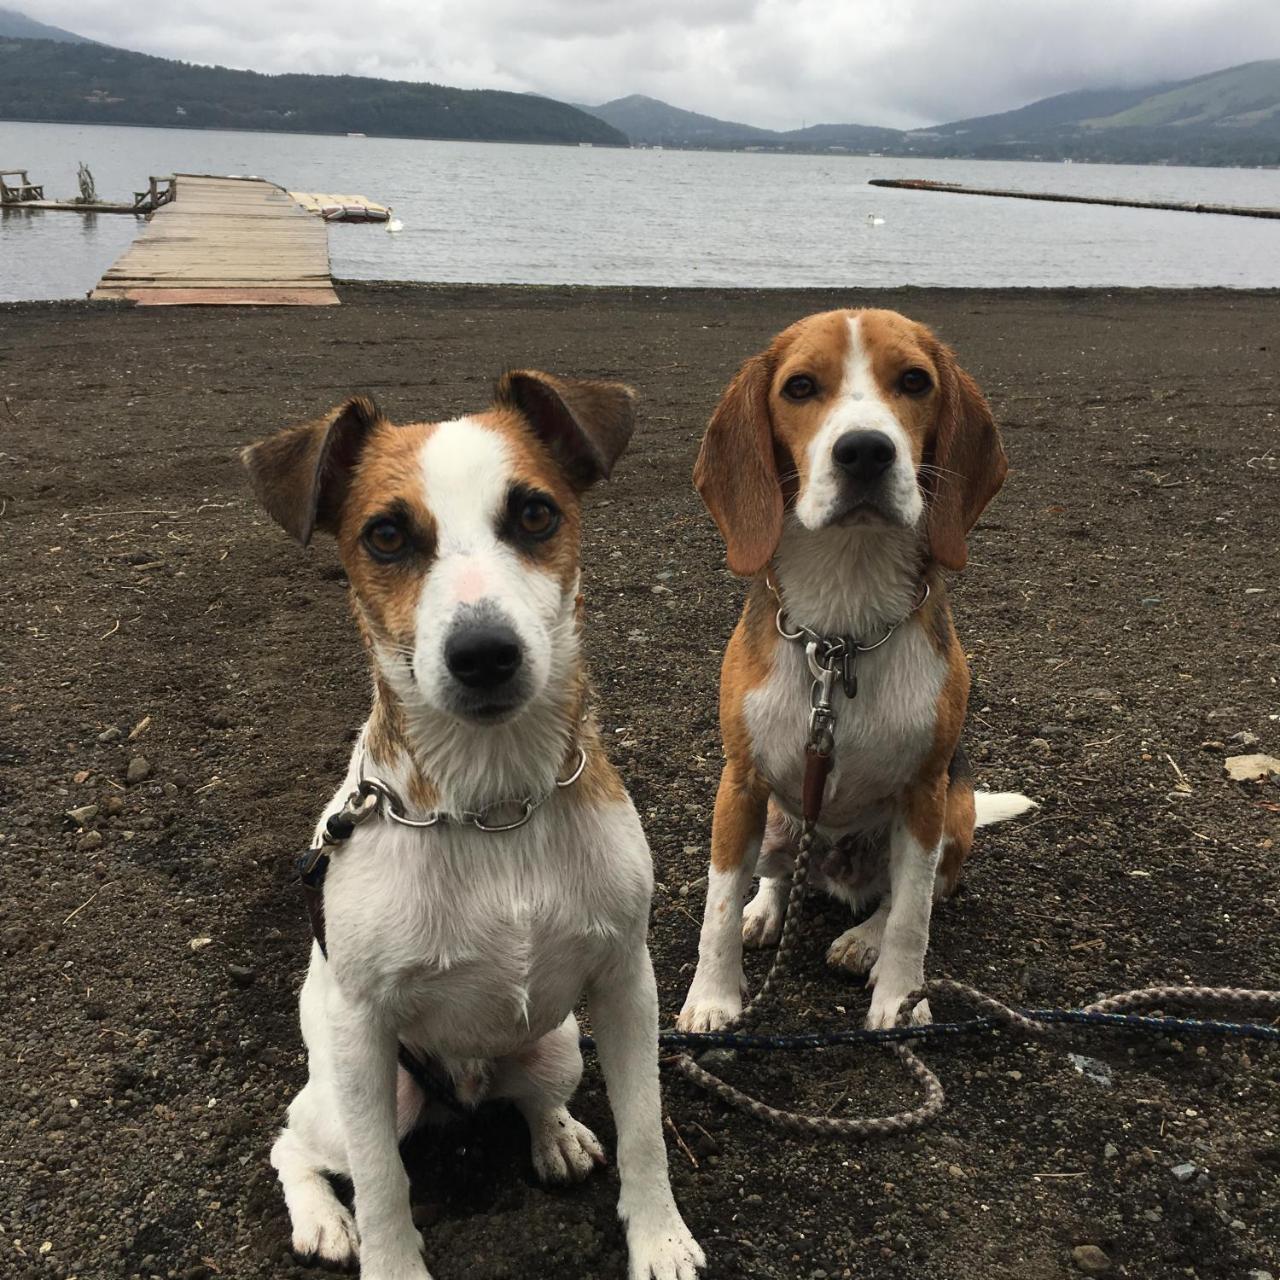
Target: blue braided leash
[(903, 1040), (951, 1030)]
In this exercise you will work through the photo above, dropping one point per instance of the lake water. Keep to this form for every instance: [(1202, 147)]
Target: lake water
[(491, 212)]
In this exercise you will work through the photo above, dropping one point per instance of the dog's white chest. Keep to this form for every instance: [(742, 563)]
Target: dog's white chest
[(882, 734), (474, 944)]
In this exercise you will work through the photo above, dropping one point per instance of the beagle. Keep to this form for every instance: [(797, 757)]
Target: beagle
[(504, 872), (844, 466)]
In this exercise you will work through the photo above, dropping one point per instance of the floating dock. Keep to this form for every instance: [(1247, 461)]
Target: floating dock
[(955, 188), (225, 242), (338, 208)]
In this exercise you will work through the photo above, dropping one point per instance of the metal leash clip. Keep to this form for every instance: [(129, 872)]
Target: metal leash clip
[(822, 716), (359, 806)]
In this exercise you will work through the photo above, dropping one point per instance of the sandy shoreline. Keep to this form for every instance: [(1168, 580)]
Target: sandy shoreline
[(1119, 612)]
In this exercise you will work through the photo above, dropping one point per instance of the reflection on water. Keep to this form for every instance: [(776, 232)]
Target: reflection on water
[(498, 213), (58, 255)]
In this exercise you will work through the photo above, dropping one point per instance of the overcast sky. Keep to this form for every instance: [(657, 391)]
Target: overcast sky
[(777, 63)]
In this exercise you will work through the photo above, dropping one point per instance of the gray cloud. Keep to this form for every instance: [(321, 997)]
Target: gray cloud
[(770, 62)]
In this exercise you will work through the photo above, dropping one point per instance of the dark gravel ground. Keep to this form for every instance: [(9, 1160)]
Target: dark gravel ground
[(1121, 616)]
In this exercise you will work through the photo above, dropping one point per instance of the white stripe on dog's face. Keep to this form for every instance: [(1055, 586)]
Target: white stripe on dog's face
[(858, 405), (466, 474), (478, 578)]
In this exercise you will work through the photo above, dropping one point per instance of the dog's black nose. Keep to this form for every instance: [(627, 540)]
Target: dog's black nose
[(864, 455), (483, 656)]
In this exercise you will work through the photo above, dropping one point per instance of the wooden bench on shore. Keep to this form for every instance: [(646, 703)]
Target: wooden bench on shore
[(23, 189)]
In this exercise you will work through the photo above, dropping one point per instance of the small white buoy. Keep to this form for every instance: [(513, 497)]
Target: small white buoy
[(874, 220), (395, 225)]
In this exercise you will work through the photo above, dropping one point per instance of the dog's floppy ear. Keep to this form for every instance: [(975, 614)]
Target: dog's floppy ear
[(736, 474), (301, 474), (585, 424), (970, 462)]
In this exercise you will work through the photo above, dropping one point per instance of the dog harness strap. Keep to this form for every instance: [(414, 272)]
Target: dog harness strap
[(313, 897), (359, 806), (311, 872), (429, 1075)]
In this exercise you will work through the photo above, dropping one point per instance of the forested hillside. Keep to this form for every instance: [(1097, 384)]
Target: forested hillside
[(47, 80)]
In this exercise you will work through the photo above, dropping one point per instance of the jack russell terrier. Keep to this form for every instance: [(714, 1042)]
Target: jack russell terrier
[(844, 467), (502, 872)]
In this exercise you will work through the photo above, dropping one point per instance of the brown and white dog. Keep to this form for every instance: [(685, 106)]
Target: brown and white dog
[(471, 939), (844, 466)]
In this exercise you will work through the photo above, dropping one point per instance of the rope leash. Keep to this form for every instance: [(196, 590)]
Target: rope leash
[(996, 1015), (933, 1098), (1115, 1012)]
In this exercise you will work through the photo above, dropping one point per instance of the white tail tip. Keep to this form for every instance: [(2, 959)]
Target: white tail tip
[(999, 806)]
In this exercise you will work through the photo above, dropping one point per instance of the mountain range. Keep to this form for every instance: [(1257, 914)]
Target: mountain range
[(1224, 117), (649, 122)]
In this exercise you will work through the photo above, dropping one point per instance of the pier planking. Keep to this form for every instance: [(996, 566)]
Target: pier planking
[(225, 241)]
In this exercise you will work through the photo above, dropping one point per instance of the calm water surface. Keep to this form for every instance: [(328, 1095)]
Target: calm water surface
[(498, 213)]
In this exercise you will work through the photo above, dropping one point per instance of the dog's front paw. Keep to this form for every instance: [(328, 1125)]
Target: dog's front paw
[(885, 1013), (889, 996), (324, 1232), (762, 918), (407, 1266), (663, 1248), (710, 1012), (563, 1149), (856, 950)]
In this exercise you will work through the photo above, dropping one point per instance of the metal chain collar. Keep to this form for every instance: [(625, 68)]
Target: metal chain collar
[(827, 653), (373, 797)]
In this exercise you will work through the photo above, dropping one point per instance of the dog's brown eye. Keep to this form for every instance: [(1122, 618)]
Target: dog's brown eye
[(799, 387), (386, 540), (538, 518), (915, 382)]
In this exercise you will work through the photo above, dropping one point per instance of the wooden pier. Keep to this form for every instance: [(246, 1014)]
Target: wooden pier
[(955, 188), (225, 242)]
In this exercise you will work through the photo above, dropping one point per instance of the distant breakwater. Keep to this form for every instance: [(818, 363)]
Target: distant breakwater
[(955, 188)]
